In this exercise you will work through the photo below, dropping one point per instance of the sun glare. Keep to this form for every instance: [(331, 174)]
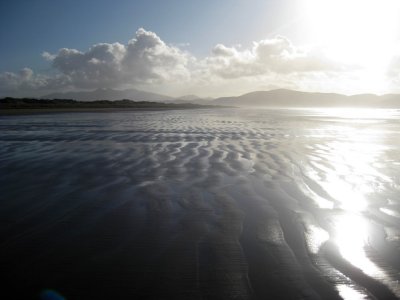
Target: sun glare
[(361, 32), (351, 235)]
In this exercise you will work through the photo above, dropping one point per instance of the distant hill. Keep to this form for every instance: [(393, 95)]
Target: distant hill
[(273, 98), (290, 98), (110, 94), (131, 94), (189, 98)]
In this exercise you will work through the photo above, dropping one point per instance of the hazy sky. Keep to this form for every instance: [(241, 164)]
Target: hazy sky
[(208, 47)]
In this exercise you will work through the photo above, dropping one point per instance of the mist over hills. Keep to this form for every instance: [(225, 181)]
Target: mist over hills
[(273, 98), (130, 94), (110, 94), (291, 98)]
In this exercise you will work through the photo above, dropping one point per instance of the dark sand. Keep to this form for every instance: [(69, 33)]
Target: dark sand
[(201, 204)]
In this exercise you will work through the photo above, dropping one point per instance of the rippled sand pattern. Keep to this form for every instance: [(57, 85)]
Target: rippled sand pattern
[(225, 204)]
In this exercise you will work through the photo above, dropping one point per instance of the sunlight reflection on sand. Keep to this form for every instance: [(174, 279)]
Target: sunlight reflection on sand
[(246, 203), (349, 181)]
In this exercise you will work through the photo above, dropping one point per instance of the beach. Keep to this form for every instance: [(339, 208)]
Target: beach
[(202, 204)]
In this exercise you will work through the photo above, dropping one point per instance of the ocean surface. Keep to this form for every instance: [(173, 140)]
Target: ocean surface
[(201, 204)]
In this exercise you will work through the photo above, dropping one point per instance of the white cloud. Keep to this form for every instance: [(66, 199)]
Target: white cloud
[(47, 56), (100, 65), (276, 55), (25, 78), (148, 58), (27, 83), (147, 61)]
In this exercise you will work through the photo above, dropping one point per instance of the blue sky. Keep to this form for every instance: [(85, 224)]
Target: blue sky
[(27, 28), (209, 47)]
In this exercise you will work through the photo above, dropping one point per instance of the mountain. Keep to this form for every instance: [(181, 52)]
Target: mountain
[(189, 98), (290, 98), (192, 99), (110, 94), (273, 98)]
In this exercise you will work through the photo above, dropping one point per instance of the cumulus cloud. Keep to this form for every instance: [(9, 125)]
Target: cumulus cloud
[(146, 60), (149, 58), (276, 55), (100, 65), (25, 78), (27, 83)]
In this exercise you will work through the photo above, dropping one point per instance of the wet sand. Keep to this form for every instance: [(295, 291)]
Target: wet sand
[(201, 204)]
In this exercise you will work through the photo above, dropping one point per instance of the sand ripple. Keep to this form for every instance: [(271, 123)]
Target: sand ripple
[(225, 204)]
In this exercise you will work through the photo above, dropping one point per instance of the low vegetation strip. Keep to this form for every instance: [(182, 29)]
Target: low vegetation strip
[(18, 106), (30, 103)]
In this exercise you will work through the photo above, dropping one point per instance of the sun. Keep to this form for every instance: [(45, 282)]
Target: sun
[(359, 32)]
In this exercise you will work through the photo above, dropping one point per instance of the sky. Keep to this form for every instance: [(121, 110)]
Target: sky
[(208, 48)]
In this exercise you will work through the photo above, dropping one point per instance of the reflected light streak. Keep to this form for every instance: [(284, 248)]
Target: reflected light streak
[(359, 114), (349, 175), (350, 199), (348, 292), (351, 235), (353, 175), (316, 237)]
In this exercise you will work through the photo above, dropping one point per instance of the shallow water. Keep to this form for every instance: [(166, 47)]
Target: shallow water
[(202, 204)]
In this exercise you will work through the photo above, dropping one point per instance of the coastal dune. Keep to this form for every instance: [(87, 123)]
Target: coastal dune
[(217, 204)]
